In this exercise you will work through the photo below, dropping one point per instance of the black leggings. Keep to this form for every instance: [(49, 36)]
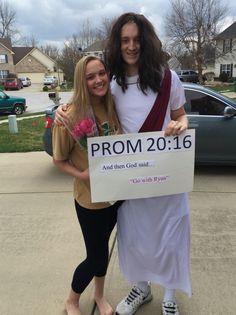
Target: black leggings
[(96, 226)]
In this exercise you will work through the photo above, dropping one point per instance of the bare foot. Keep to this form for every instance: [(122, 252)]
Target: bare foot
[(103, 306), (72, 308)]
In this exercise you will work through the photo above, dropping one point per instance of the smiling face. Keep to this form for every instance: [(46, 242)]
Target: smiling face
[(97, 79), (130, 47)]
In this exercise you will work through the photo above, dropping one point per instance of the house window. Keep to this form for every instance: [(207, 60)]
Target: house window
[(3, 59), (227, 45), (227, 68), (3, 74)]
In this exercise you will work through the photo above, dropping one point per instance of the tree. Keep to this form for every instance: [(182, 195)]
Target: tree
[(70, 55), (51, 50), (28, 41), (21, 40), (73, 47), (87, 36), (103, 31), (7, 20), (194, 24)]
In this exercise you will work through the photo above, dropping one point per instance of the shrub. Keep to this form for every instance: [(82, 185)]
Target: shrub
[(223, 77), (45, 88)]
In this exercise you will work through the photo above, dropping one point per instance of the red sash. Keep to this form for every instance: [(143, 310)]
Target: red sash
[(155, 118)]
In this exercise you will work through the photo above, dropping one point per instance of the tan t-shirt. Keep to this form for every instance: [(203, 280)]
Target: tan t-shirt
[(66, 148)]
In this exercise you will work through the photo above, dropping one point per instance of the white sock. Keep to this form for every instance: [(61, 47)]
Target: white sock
[(144, 286), (169, 295)]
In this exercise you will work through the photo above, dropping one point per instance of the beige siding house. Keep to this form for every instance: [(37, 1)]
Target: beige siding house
[(226, 50), (26, 61)]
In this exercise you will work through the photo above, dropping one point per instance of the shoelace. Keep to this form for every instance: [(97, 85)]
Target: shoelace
[(134, 296), (170, 308)]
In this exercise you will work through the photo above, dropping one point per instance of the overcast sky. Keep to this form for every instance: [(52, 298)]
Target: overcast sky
[(54, 21)]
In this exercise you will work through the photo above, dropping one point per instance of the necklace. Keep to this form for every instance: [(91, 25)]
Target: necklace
[(132, 80)]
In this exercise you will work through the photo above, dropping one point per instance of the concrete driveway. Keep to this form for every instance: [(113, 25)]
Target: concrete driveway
[(41, 242), (36, 99)]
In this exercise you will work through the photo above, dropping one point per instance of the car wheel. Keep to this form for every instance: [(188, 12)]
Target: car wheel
[(18, 109)]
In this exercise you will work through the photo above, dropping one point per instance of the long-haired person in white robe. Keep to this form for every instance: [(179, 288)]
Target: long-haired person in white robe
[(153, 233)]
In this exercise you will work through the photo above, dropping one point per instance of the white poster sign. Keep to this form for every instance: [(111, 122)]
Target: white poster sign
[(141, 165)]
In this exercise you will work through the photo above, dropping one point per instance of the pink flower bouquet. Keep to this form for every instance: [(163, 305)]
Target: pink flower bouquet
[(82, 130)]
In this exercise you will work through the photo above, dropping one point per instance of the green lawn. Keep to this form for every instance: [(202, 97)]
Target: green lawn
[(222, 87), (28, 138)]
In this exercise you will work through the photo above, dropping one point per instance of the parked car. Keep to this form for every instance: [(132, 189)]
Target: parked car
[(13, 84), (211, 114), (214, 118), (26, 81), (12, 104), (189, 76), (50, 80)]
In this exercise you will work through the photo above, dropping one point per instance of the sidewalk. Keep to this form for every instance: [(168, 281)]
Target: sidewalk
[(41, 242), (229, 94), (21, 118)]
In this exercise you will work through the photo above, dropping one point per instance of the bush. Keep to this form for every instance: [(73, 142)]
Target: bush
[(223, 77), (45, 88)]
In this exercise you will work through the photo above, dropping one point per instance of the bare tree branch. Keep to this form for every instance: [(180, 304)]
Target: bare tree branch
[(70, 55), (7, 20), (193, 24)]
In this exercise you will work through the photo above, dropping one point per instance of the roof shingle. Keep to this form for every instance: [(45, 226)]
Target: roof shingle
[(229, 32), (20, 53)]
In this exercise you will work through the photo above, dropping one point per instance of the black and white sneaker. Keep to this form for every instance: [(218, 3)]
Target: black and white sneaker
[(133, 301), (170, 308)]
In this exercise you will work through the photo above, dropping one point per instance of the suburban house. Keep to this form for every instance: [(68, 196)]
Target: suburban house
[(225, 61), (97, 49), (26, 62)]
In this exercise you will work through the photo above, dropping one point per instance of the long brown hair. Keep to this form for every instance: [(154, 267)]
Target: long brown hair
[(152, 58)]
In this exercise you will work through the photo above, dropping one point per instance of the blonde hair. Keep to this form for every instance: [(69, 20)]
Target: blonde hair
[(81, 99)]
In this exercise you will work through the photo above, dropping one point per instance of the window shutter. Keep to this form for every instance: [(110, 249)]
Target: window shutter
[(221, 68), (231, 70)]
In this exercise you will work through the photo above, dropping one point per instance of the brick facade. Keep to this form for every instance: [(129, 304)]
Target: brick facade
[(9, 65)]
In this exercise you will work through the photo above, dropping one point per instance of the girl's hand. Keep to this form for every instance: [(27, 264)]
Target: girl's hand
[(60, 115), (85, 175)]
